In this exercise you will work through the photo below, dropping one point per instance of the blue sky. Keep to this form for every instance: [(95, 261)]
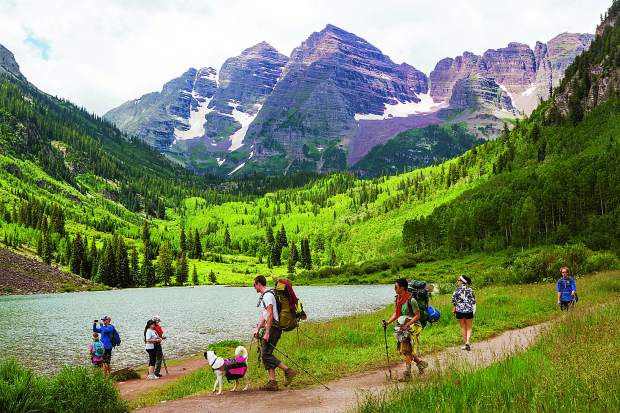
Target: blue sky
[(100, 54)]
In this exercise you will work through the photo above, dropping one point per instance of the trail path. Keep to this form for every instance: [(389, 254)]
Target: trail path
[(346, 392)]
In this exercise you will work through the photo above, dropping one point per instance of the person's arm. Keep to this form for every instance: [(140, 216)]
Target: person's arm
[(154, 340), (454, 301), (573, 286), (96, 329), (559, 292), (268, 322), (411, 322)]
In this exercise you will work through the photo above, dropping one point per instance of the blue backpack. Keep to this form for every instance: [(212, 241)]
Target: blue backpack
[(433, 314), (98, 349), (115, 340)]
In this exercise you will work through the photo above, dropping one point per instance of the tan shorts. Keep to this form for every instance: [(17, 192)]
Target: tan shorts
[(409, 346)]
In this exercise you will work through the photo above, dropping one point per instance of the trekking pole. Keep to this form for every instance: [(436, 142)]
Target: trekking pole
[(387, 353), (297, 365), (163, 360)]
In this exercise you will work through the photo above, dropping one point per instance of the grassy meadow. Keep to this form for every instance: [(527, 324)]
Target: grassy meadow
[(341, 347), (573, 368)]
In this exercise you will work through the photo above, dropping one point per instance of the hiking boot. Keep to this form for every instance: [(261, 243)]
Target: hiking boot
[(422, 365), (158, 375), (271, 385), (289, 375), (467, 347), (152, 377), (406, 376)]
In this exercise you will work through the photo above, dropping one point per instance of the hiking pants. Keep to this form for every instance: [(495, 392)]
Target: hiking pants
[(159, 356), (269, 360)]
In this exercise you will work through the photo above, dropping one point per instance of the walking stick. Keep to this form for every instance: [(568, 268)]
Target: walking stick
[(297, 365), (387, 353), (163, 360)]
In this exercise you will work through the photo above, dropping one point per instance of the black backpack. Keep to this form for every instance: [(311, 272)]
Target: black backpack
[(419, 292)]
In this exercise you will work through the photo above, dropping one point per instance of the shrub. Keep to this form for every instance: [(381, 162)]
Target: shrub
[(83, 389), (20, 389), (600, 261)]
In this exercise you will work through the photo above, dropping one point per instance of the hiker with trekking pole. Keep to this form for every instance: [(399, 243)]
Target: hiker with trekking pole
[(407, 315), (567, 290), (268, 332)]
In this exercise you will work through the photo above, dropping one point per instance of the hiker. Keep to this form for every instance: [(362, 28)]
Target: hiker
[(151, 338), (268, 333), (159, 351), (408, 327), (96, 351), (464, 308), (567, 290), (109, 338)]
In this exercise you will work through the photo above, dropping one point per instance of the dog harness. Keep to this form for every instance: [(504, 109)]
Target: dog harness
[(235, 368)]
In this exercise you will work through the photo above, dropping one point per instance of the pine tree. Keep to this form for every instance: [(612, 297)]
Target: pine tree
[(146, 240), (212, 277), (276, 253), (197, 246), (305, 257), (134, 268), (294, 253), (291, 265), (333, 260), (164, 265), (269, 239), (227, 240), (194, 276), (183, 240), (182, 270), (47, 249), (107, 269), (148, 273), (77, 255), (281, 239)]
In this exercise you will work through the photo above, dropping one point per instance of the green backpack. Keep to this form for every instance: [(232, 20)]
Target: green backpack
[(419, 292)]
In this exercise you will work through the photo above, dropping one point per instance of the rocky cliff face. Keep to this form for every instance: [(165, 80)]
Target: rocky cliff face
[(204, 110), (8, 64), (597, 76), (333, 100), (331, 79)]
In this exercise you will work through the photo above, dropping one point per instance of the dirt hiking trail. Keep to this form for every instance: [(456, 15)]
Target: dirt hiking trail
[(346, 392)]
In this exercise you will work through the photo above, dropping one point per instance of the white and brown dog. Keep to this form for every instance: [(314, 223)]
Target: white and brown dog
[(233, 368)]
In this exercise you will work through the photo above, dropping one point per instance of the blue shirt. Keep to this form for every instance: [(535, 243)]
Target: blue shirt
[(565, 287), (106, 332)]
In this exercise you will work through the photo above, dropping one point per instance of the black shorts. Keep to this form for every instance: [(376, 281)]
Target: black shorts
[(566, 305), (107, 356), (152, 356), (269, 360), (464, 316)]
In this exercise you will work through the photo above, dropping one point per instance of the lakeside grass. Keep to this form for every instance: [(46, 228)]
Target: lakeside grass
[(573, 368), (344, 346)]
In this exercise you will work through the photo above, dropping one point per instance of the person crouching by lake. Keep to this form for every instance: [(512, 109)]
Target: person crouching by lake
[(408, 327), (150, 340), (464, 308), (159, 351), (109, 338)]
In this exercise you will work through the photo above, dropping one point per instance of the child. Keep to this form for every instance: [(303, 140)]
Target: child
[(96, 351)]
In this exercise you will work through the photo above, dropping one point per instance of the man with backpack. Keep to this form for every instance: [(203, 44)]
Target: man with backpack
[(268, 331), (109, 338), (407, 315), (567, 290)]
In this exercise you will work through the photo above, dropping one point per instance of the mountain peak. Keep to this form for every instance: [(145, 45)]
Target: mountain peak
[(8, 64), (259, 49)]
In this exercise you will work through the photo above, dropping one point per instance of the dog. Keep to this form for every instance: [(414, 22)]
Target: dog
[(233, 369)]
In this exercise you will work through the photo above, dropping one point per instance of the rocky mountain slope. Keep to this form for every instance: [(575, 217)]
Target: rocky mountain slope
[(333, 100)]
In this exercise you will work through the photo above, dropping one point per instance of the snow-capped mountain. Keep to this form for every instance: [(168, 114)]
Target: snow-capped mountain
[(333, 100)]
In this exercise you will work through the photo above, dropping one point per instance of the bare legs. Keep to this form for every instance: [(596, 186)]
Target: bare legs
[(468, 329), (272, 372)]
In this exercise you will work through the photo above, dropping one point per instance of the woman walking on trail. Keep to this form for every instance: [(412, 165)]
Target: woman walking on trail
[(150, 339), (464, 308)]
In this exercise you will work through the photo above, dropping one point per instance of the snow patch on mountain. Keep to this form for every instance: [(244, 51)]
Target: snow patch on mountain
[(196, 121), (505, 89), (241, 165), (404, 109), (245, 119)]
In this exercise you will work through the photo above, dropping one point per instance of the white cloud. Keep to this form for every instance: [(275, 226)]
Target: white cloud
[(103, 53)]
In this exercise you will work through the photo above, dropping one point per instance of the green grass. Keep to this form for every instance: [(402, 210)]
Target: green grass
[(344, 346), (72, 390), (573, 368)]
